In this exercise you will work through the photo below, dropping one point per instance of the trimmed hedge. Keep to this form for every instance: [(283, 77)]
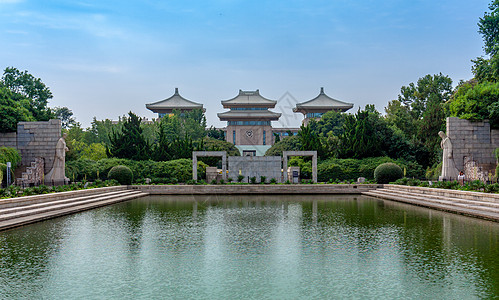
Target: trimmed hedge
[(179, 170), (351, 169), (122, 174), (387, 172)]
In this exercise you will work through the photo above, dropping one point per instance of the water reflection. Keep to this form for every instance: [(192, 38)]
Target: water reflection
[(253, 247)]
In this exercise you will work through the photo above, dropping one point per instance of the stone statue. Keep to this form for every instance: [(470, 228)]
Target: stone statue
[(449, 170), (58, 174)]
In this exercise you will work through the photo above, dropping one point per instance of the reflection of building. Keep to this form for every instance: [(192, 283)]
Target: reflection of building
[(249, 122), (315, 108), (175, 102)]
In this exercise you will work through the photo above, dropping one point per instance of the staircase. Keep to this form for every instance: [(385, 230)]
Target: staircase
[(33, 174), (25, 210), (475, 204)]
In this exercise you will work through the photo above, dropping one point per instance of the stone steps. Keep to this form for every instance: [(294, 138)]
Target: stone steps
[(454, 200), (478, 204), (445, 193), (28, 200), (26, 213), (27, 207)]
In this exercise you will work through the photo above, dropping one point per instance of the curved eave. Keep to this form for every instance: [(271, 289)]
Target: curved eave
[(321, 109), (265, 105), (249, 99), (227, 116), (170, 109)]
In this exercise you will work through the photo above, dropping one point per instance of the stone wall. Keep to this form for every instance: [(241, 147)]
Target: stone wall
[(8, 139), (473, 141), (34, 139), (255, 166)]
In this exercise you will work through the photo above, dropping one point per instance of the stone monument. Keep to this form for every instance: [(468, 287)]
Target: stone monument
[(57, 175), (449, 170)]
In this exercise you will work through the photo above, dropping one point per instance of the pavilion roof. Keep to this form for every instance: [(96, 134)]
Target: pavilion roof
[(322, 102), (249, 99), (174, 102)]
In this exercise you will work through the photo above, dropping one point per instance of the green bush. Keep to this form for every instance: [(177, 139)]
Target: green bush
[(122, 174), (387, 172), (334, 169), (179, 170), (10, 154)]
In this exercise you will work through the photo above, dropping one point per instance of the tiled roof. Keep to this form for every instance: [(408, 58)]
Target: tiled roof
[(249, 98), (323, 101), (174, 102)]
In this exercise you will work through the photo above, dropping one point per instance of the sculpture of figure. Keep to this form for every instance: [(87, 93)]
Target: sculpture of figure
[(57, 174), (449, 170)]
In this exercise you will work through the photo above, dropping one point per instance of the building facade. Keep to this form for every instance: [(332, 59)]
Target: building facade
[(314, 109), (249, 120)]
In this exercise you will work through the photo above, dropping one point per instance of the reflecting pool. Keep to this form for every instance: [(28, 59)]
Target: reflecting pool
[(252, 247)]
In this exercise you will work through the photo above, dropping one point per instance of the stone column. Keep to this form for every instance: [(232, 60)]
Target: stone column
[(314, 167), (194, 166), (284, 166), (224, 166)]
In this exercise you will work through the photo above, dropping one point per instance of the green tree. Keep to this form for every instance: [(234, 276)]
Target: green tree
[(26, 86), (474, 101), (291, 143), (488, 27), (310, 141), (215, 133), (129, 142), (65, 115), (436, 88), (11, 111), (360, 138)]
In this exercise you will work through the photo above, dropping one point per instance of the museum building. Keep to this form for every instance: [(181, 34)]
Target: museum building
[(249, 120)]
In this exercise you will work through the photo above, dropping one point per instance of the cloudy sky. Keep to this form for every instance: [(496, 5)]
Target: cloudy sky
[(105, 58)]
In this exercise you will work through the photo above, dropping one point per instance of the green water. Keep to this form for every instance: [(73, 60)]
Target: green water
[(252, 247)]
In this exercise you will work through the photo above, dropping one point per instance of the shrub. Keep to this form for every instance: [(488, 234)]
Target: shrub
[(240, 178), (253, 180), (121, 173), (350, 169), (273, 181), (10, 154), (387, 172), (263, 179)]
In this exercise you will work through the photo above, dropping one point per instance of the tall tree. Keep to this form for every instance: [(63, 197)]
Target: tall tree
[(65, 115), (129, 142), (360, 138), (24, 85)]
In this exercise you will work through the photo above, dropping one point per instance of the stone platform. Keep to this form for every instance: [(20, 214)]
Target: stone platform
[(476, 204)]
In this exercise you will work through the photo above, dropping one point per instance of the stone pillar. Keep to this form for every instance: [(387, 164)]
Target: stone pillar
[(314, 167), (194, 166), (224, 166), (284, 166)]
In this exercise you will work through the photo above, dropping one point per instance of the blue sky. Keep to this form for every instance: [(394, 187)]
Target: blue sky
[(105, 58)]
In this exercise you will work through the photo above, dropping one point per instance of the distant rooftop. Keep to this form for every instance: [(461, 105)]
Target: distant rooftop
[(174, 102), (322, 103), (249, 99)]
